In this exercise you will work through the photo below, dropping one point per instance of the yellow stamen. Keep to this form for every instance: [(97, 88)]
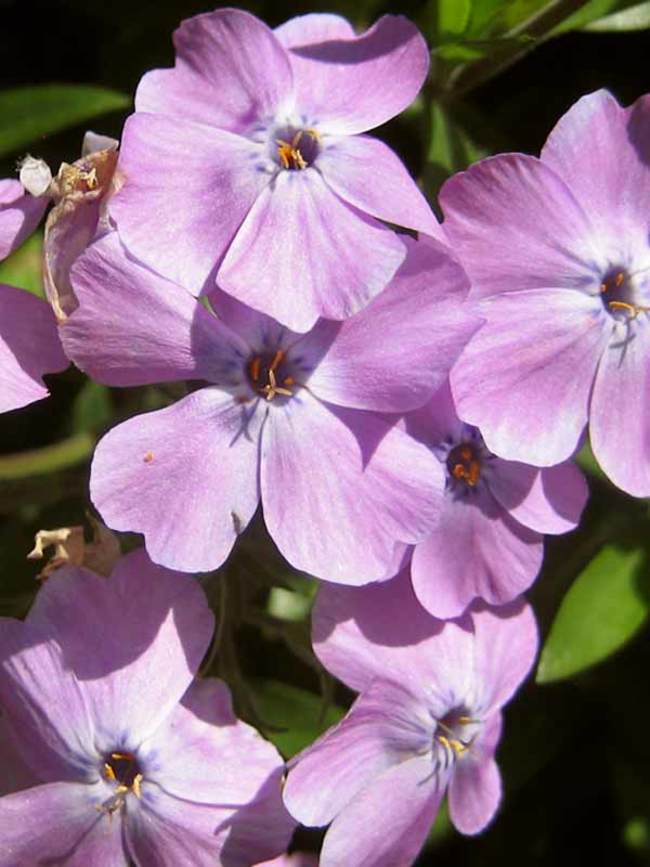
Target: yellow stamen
[(137, 788), (632, 309), (109, 773)]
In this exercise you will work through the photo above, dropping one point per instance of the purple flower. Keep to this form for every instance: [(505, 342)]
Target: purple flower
[(488, 542), (245, 162), (428, 719), (559, 248), (130, 758), (296, 420), (29, 344)]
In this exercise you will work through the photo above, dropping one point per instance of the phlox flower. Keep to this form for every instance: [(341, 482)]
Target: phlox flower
[(247, 161), (488, 542), (298, 421), (29, 345), (297, 859), (125, 757), (559, 249), (427, 721)]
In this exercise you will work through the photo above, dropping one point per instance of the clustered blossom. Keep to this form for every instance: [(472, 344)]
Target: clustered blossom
[(403, 399)]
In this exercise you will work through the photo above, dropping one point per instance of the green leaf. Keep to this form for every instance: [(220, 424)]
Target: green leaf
[(92, 407), (588, 462), (606, 605), (450, 149), (297, 715), (30, 113), (47, 459), (635, 18), (24, 267), (452, 18), (591, 11)]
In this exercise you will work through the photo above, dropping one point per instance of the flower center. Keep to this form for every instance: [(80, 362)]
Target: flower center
[(464, 464), (267, 375), (296, 149), (121, 769), (456, 733), (619, 293)]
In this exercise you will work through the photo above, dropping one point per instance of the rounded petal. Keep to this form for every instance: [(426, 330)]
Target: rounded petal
[(516, 225), (187, 189), (184, 476), (59, 823), (475, 551), (474, 795), (620, 411), (548, 501), (315, 27), (230, 72), (134, 640), (29, 347), (366, 173), (338, 510), (303, 253), (349, 85), (20, 213), (386, 826), (437, 421), (381, 631), (134, 327), (602, 152), (506, 643), (525, 377), (394, 353)]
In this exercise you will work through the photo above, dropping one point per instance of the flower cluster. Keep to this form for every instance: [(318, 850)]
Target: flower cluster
[(402, 398)]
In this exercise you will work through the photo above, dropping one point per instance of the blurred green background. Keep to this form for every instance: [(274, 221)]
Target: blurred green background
[(576, 755)]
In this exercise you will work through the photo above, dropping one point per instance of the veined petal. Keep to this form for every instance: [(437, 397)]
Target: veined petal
[(525, 377), (366, 173), (387, 824), (474, 795), (230, 72), (339, 509), (187, 189), (132, 677), (303, 253), (476, 550), (20, 213), (620, 412), (516, 225), (29, 348), (349, 85), (393, 354), (134, 327), (185, 476)]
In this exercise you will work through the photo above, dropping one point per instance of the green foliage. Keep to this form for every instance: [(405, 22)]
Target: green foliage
[(606, 605), (635, 18), (450, 149), (24, 268), (30, 113)]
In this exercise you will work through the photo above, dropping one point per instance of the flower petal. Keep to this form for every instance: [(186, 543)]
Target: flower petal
[(134, 672), (385, 726), (516, 225), (476, 550), (548, 501), (338, 510), (187, 189), (302, 253), (601, 150), (474, 795), (134, 327), (386, 826), (230, 71), (381, 631), (20, 213), (394, 353), (29, 347), (185, 476), (620, 412), (59, 823), (349, 85), (366, 173), (525, 378), (314, 27)]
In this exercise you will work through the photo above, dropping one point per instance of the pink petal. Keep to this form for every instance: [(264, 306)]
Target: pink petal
[(185, 476), (187, 189), (474, 795), (347, 86), (530, 365), (394, 353), (366, 173), (230, 72), (315, 27), (302, 253), (340, 509), (29, 347), (20, 213)]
